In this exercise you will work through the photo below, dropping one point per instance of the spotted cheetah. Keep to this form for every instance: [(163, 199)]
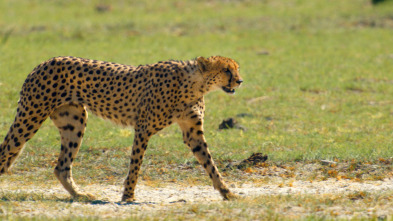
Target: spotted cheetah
[(147, 98)]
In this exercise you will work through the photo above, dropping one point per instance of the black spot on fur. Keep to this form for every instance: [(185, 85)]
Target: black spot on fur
[(196, 149)]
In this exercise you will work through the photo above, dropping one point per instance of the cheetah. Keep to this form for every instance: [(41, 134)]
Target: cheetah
[(146, 97)]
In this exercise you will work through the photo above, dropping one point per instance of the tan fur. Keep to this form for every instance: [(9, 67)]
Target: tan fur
[(148, 98)]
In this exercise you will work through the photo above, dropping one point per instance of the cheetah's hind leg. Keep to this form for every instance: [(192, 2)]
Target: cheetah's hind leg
[(25, 125), (71, 121)]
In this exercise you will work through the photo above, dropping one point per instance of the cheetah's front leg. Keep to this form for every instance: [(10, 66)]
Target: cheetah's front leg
[(194, 138), (141, 139)]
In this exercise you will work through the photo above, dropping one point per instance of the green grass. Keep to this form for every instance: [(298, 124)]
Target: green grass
[(318, 76), (326, 79)]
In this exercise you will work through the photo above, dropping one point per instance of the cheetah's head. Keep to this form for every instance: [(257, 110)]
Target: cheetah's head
[(220, 72)]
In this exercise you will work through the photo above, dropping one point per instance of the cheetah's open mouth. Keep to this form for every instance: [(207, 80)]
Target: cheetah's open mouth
[(228, 90)]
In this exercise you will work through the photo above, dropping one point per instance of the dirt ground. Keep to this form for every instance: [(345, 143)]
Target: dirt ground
[(150, 200)]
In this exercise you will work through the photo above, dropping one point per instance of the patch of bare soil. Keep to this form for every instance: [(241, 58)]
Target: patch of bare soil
[(150, 199)]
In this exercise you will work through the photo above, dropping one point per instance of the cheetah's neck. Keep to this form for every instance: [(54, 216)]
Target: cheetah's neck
[(194, 82)]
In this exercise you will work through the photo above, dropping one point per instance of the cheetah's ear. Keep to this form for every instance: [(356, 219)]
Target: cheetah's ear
[(203, 63)]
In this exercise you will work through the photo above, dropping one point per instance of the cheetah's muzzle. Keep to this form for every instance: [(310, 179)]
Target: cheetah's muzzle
[(228, 90)]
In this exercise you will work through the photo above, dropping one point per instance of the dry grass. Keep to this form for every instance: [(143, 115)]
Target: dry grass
[(313, 191), (363, 204)]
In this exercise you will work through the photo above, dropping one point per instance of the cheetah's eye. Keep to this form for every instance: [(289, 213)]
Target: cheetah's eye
[(227, 71)]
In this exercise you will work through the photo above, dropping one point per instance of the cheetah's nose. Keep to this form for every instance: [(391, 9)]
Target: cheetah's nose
[(239, 81)]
